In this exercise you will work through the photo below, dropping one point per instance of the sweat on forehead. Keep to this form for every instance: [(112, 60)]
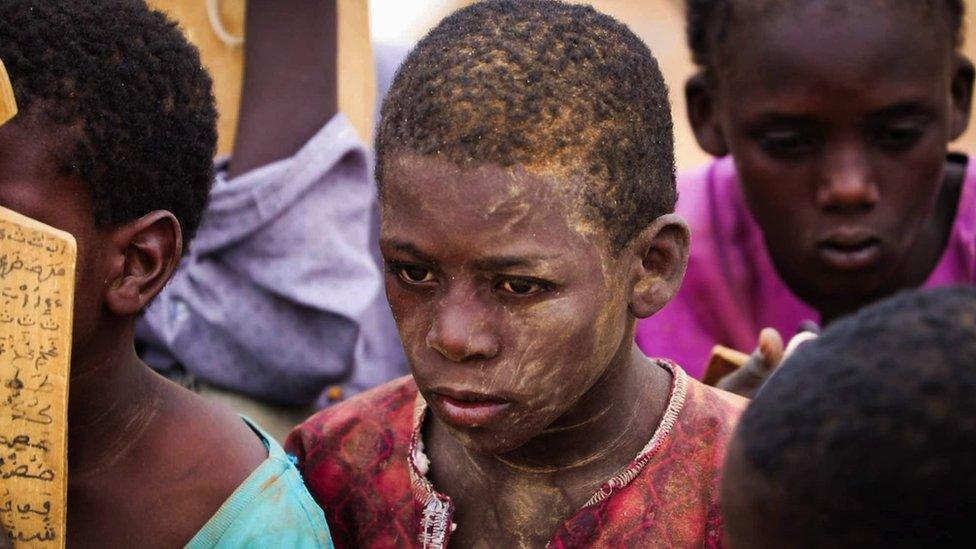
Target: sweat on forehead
[(709, 21), (558, 89)]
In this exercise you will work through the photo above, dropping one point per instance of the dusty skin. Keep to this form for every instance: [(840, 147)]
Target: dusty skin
[(839, 121), (505, 293), (126, 422)]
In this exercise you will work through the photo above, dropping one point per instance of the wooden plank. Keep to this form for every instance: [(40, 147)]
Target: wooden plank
[(37, 278), (8, 105), (356, 67), (723, 362)]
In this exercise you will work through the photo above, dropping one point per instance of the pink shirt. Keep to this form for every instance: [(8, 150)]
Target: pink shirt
[(731, 290)]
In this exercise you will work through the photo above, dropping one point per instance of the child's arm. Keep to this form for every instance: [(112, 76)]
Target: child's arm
[(280, 297), (290, 83)]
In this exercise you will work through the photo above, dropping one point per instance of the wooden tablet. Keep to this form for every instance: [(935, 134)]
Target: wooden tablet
[(8, 105), (37, 279), (723, 362)]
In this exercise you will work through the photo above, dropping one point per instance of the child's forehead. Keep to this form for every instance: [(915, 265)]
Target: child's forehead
[(806, 20), (797, 36), (504, 199), (485, 187)]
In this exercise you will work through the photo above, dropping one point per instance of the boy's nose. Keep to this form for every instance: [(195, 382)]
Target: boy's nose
[(461, 332), (848, 183)]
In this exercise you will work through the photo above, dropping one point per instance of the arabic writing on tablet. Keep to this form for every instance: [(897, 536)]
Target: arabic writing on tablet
[(37, 267)]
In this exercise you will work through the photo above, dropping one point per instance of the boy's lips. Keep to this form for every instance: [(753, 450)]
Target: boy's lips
[(468, 409), (850, 250)]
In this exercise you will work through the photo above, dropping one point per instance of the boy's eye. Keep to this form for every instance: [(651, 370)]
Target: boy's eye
[(786, 144), (521, 287), (414, 275), (898, 139)]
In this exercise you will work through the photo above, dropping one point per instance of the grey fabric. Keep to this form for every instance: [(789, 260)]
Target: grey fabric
[(280, 296)]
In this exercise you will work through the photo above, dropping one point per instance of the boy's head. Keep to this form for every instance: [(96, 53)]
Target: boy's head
[(525, 162), (866, 437), (838, 115), (113, 143)]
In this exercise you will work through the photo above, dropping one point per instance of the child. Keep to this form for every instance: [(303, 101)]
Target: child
[(866, 437), (838, 190), (525, 162), (113, 144)]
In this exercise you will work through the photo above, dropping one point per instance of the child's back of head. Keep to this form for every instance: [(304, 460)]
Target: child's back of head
[(866, 437), (122, 99)]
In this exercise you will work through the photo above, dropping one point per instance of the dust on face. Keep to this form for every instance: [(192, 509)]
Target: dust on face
[(507, 300)]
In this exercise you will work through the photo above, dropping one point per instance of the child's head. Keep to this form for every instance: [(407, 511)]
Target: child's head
[(525, 161), (113, 143), (838, 115), (865, 438)]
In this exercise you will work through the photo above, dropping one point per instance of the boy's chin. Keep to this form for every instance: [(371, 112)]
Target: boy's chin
[(495, 441)]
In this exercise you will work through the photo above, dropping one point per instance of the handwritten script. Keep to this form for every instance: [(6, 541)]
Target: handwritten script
[(37, 270)]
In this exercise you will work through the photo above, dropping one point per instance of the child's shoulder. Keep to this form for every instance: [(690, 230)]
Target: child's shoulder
[(379, 421), (272, 507), (353, 458), (389, 406), (714, 411)]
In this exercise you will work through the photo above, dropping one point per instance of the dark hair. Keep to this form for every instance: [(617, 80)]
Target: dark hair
[(554, 87), (867, 436), (708, 22), (128, 97)]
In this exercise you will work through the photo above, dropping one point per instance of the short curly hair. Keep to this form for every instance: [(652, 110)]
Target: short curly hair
[(556, 88), (129, 93), (708, 21), (866, 436)]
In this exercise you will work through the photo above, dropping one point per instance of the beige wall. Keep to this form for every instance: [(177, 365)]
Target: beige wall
[(658, 22)]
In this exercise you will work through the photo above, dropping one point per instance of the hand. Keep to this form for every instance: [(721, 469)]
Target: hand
[(761, 364)]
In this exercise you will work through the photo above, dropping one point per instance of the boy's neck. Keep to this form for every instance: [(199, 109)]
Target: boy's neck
[(611, 423), (113, 397), (604, 432), (520, 498)]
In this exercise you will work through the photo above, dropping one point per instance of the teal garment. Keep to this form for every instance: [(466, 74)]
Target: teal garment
[(272, 508)]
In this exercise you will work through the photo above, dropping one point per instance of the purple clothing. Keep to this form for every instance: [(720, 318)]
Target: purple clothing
[(731, 290), (280, 296)]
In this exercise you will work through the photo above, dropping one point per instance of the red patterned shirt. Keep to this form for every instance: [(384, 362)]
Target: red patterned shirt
[(364, 464)]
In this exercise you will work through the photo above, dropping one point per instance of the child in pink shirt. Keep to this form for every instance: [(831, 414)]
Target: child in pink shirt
[(837, 188)]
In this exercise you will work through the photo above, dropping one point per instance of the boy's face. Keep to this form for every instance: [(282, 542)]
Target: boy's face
[(32, 184), (508, 305), (839, 125)]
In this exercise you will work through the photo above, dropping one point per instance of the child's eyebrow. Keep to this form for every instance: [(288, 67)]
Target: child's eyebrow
[(408, 248), (489, 263), (510, 262), (904, 108), (783, 119)]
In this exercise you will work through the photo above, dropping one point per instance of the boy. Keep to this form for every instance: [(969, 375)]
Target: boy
[(525, 162), (866, 437), (837, 190), (113, 144)]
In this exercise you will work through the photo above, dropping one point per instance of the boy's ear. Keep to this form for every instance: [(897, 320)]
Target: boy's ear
[(962, 95), (145, 254), (700, 98), (662, 256)]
